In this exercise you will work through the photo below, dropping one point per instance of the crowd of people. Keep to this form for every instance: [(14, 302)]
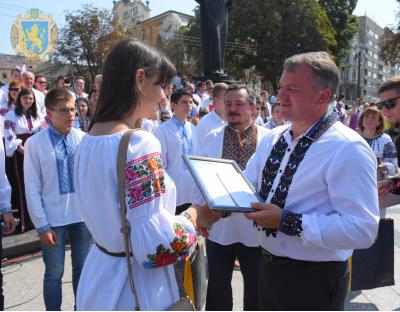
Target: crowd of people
[(60, 178)]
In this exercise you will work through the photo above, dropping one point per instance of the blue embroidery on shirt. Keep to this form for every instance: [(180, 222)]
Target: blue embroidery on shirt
[(64, 150), (186, 138)]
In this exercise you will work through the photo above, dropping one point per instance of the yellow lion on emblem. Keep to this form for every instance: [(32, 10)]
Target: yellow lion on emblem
[(33, 37)]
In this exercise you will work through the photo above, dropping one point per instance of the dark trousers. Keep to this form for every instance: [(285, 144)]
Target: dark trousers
[(221, 260), (303, 286)]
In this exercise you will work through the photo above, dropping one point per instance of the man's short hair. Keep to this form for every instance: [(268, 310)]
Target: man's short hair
[(39, 76), (80, 78), (176, 96), (237, 87), (59, 78), (219, 88), (264, 92), (274, 105), (390, 84), (200, 84), (326, 72), (56, 96)]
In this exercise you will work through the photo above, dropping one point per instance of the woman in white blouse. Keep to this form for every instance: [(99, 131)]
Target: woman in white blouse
[(133, 77), (20, 123), (371, 125)]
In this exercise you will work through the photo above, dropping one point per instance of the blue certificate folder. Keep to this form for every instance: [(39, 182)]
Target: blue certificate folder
[(222, 184)]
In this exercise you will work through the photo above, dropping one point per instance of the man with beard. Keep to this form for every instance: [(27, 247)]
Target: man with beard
[(233, 236)]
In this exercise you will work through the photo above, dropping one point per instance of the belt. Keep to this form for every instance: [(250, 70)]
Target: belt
[(112, 254), (269, 257)]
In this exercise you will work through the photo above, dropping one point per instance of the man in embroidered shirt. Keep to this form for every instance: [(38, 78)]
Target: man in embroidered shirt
[(178, 137), (216, 118), (50, 194), (233, 237), (313, 217)]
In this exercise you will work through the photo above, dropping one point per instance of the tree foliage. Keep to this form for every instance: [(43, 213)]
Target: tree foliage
[(280, 29), (86, 39), (277, 29), (340, 13), (389, 44)]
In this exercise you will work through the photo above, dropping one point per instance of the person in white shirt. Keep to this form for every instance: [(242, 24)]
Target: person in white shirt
[(201, 95), (264, 98), (80, 89), (28, 78), (318, 180), (339, 113), (51, 198), (216, 118), (178, 137), (276, 119), (233, 236), (6, 214)]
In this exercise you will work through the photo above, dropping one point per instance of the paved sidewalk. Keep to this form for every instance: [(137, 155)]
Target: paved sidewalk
[(23, 284)]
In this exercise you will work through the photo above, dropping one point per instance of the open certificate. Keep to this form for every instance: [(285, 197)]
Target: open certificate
[(222, 183)]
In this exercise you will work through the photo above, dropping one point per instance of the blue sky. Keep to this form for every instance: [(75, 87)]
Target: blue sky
[(382, 11)]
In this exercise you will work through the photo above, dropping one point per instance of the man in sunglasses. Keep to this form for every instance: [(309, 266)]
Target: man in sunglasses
[(389, 95)]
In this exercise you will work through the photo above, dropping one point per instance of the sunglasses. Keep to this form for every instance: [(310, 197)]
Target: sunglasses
[(42, 82), (389, 104), (14, 89)]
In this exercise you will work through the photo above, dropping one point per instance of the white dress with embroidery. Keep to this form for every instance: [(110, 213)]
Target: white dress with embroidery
[(15, 125), (158, 237)]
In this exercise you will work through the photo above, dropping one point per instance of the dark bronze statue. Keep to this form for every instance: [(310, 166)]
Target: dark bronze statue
[(214, 21)]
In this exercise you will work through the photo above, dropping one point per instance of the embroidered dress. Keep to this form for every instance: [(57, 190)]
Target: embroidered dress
[(158, 237), (17, 130), (385, 149), (331, 204)]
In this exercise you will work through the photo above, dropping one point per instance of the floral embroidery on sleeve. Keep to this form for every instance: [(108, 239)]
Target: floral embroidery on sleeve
[(179, 249), (144, 180)]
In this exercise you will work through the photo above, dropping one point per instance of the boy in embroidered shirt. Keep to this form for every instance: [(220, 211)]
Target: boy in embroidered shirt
[(50, 194), (179, 137)]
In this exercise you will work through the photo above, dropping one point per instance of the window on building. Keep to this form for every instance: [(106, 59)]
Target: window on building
[(369, 74), (369, 63), (376, 36), (375, 56), (4, 75), (374, 75)]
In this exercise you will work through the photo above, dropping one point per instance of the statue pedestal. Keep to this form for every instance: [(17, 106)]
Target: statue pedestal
[(218, 78)]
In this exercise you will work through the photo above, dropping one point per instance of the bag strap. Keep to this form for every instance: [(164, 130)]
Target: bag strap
[(126, 229)]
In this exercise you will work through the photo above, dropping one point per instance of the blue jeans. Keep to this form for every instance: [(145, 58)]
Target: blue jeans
[(53, 257)]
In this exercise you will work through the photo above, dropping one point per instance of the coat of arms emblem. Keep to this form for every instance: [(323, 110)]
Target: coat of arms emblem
[(34, 35)]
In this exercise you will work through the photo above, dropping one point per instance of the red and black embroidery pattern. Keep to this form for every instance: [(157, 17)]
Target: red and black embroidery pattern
[(239, 146)]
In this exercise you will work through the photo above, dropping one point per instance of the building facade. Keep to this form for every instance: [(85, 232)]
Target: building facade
[(134, 17), (8, 63), (365, 71)]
